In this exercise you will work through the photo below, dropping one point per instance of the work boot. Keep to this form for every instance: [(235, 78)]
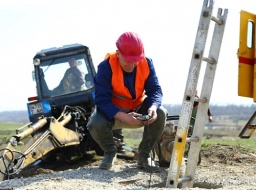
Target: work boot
[(148, 165), (108, 160)]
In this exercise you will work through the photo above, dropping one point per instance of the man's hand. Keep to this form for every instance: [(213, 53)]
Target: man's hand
[(130, 118), (152, 115)]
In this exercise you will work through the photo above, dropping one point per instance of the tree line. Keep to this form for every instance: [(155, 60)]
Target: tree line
[(231, 112)]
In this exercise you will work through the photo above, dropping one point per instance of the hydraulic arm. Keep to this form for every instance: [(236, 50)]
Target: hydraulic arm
[(39, 144)]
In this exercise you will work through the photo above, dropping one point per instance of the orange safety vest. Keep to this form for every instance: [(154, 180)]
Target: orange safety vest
[(121, 96)]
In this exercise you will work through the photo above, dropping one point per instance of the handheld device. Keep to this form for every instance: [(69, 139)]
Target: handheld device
[(143, 118)]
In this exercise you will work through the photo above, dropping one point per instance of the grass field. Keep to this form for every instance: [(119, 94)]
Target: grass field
[(249, 144), (133, 137), (8, 129)]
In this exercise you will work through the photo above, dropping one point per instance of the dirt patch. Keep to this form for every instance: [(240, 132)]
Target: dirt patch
[(90, 159), (225, 154), (220, 155), (221, 167)]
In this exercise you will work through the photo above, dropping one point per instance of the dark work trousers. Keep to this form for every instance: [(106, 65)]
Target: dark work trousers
[(101, 127)]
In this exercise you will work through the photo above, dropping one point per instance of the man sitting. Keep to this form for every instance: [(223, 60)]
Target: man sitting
[(72, 81)]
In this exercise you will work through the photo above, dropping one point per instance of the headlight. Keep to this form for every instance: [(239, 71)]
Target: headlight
[(36, 62)]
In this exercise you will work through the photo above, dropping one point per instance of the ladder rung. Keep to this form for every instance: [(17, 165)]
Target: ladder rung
[(184, 179), (252, 126), (244, 137), (203, 100), (208, 60), (192, 139), (217, 20)]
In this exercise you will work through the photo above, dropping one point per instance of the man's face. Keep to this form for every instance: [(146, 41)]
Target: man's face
[(126, 65), (72, 63)]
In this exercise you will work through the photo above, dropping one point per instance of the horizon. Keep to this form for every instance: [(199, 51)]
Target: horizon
[(172, 105)]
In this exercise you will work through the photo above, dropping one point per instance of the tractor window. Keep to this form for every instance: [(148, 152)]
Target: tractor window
[(65, 75)]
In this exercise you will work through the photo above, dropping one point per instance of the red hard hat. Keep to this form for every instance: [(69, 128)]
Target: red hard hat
[(130, 46)]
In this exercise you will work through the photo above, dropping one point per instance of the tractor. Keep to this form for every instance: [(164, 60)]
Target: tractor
[(58, 114)]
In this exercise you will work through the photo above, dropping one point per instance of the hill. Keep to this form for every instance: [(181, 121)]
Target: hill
[(14, 117)]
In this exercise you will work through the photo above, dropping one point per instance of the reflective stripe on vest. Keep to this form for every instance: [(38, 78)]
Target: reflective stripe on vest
[(121, 96)]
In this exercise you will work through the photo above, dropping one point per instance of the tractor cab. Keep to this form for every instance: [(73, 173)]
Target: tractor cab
[(63, 76)]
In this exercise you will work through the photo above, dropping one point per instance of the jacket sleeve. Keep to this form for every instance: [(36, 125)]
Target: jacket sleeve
[(103, 90), (152, 87)]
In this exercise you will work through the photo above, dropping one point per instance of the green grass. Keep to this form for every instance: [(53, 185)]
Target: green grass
[(8, 129), (133, 137), (230, 133), (9, 126), (249, 144)]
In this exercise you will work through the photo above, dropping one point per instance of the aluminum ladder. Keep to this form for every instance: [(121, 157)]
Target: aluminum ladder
[(173, 179)]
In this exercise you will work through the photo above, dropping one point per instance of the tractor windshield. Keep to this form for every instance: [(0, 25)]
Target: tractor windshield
[(65, 75)]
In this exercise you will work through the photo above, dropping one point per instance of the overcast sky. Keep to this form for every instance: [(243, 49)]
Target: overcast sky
[(167, 28)]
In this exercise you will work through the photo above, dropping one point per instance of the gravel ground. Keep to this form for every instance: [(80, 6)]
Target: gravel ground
[(222, 167)]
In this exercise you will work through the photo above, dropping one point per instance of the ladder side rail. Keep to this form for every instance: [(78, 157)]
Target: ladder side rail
[(188, 99), (241, 135), (207, 85)]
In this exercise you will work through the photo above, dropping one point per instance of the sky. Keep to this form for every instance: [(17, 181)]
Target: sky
[(167, 28)]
